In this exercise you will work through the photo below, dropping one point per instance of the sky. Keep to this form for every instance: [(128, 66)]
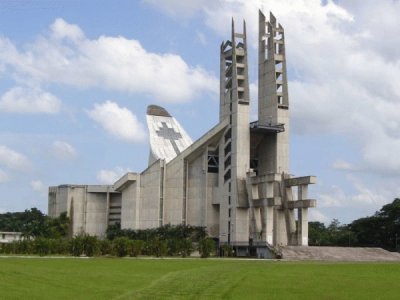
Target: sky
[(76, 78)]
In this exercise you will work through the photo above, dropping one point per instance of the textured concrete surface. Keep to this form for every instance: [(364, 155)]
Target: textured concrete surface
[(338, 254)]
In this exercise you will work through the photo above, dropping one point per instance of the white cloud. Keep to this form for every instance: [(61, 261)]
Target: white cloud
[(118, 121), (61, 29), (63, 150), (13, 160), (343, 165), (317, 215), (110, 176), (29, 101), (342, 81), (67, 57), (201, 37), (3, 176), (179, 8), (39, 187), (365, 196)]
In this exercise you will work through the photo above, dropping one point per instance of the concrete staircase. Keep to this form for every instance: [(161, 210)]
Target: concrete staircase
[(338, 254)]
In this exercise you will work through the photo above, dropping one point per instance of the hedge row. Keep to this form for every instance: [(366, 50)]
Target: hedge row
[(121, 246)]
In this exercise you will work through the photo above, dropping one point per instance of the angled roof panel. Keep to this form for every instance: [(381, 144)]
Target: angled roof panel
[(167, 137)]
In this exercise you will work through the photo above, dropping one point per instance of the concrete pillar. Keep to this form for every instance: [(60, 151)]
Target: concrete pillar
[(302, 233), (267, 223)]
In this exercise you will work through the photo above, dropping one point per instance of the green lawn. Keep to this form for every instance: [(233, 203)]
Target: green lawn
[(107, 278)]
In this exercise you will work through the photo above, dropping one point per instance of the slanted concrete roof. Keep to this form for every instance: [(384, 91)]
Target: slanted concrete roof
[(166, 135)]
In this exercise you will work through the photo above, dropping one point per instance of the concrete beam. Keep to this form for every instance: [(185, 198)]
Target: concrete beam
[(301, 204), (101, 189), (124, 181), (300, 180), (274, 201)]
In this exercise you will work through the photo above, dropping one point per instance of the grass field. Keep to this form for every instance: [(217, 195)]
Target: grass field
[(107, 278)]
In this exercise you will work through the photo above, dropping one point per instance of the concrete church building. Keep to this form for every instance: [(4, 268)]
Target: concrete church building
[(234, 180)]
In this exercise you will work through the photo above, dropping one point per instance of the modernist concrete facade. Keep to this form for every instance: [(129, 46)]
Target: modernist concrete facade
[(234, 180)]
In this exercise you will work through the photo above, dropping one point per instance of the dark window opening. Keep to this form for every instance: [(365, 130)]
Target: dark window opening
[(227, 149), (213, 161), (228, 134), (227, 175), (227, 162)]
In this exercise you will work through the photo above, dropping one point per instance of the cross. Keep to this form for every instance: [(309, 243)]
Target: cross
[(170, 134)]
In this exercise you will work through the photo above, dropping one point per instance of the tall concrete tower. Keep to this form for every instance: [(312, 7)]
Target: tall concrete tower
[(273, 100), (234, 150)]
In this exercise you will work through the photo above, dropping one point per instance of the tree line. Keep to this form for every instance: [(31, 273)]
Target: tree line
[(379, 230), (45, 235)]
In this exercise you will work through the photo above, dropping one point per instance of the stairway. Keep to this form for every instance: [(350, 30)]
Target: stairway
[(338, 254)]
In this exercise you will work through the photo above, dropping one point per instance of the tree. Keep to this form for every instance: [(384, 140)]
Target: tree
[(33, 223)]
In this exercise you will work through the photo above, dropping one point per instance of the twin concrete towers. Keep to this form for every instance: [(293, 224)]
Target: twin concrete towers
[(234, 180), (256, 157)]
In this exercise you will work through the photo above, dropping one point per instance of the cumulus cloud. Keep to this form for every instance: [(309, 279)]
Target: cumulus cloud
[(317, 215), (63, 150), (110, 176), (364, 195), (29, 101), (118, 121), (62, 30), (3, 176), (39, 187), (179, 8), (343, 165), (66, 56), (13, 159), (341, 80)]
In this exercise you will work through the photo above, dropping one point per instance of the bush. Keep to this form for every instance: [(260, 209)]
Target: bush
[(227, 250), (206, 247), (76, 245), (41, 246), (91, 245), (120, 246), (158, 247), (105, 247), (185, 247), (135, 247)]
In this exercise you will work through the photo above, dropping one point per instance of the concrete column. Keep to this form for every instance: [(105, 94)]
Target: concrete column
[(302, 192), (302, 233), (267, 224)]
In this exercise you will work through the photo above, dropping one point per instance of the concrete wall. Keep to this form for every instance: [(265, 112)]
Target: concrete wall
[(130, 206), (174, 210), (96, 214), (149, 204), (212, 210), (88, 207), (197, 191)]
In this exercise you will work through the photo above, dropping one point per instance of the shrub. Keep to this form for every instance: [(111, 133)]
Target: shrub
[(76, 245), (227, 250), (206, 247), (135, 247), (41, 246), (90, 245), (158, 247), (105, 247), (120, 246), (185, 247)]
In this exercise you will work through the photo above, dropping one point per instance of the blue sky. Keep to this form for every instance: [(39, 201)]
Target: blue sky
[(76, 78)]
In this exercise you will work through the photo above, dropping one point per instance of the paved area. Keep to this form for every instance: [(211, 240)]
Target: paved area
[(338, 254)]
